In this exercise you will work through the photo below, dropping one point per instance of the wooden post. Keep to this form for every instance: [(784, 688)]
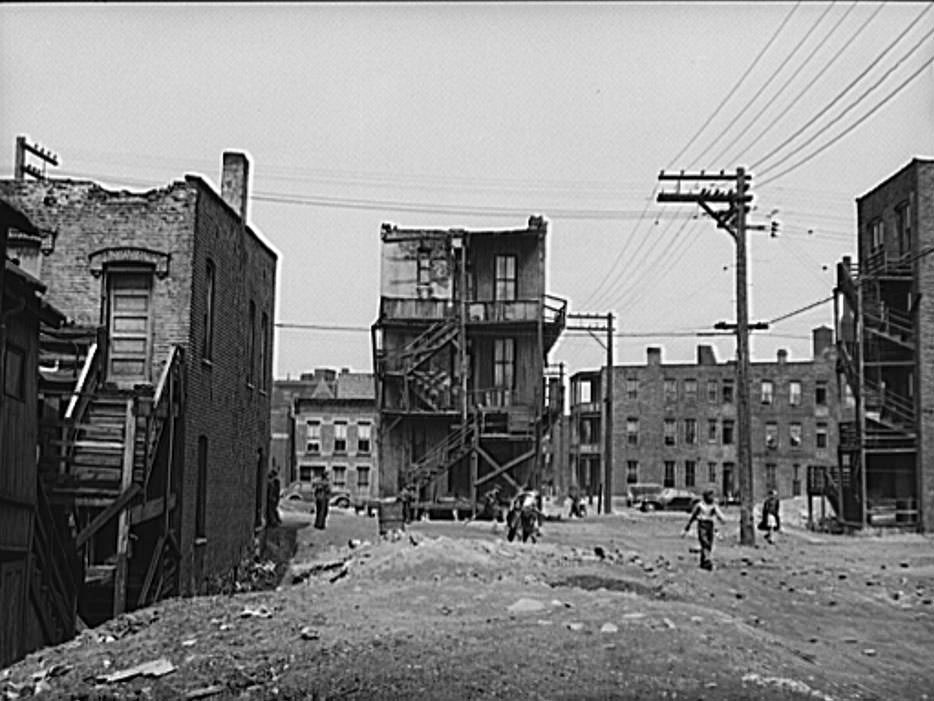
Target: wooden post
[(123, 522)]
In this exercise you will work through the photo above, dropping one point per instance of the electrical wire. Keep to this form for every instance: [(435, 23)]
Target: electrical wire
[(855, 124), (768, 82), (735, 87), (809, 122)]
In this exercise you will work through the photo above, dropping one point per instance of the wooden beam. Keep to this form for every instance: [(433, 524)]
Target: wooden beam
[(116, 506), (501, 469), (150, 509), (123, 522), (151, 571)]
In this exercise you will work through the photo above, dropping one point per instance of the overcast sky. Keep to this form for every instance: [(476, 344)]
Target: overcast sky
[(478, 115)]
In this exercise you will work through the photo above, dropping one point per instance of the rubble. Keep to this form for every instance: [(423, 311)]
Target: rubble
[(154, 668)]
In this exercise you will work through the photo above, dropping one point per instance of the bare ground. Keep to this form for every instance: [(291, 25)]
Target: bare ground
[(453, 611)]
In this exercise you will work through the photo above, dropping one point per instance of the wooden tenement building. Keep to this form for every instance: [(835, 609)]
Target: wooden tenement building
[(460, 354)]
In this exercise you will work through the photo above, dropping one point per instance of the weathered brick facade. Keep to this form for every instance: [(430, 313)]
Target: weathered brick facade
[(169, 235), (676, 414)]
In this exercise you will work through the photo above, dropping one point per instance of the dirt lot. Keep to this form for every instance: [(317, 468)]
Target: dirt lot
[(453, 611)]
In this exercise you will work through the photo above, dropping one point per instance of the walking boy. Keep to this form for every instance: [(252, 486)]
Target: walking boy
[(704, 513)]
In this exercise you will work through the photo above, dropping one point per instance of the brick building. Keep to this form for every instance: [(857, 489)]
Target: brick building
[(460, 350), (166, 420), (676, 424), (336, 424), (885, 330)]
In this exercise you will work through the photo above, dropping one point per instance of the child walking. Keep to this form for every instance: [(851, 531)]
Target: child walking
[(704, 513)]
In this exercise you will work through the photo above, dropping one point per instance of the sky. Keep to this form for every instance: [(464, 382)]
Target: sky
[(479, 115)]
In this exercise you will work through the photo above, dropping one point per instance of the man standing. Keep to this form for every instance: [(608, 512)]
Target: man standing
[(322, 492), (771, 521), (704, 512), (273, 487)]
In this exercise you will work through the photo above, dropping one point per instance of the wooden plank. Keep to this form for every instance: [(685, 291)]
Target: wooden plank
[(123, 525), (117, 506), (502, 469), (151, 571), (150, 510)]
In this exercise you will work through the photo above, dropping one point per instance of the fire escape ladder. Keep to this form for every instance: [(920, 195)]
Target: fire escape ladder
[(889, 409), (889, 323), (442, 457), (431, 386)]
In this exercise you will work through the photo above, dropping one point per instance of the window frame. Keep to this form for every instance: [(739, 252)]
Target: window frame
[(670, 432), (364, 443), (340, 437), (309, 424), (504, 363), (670, 388), (690, 431), (210, 295), (728, 430), (690, 389), (690, 473), (632, 472), (668, 480), (632, 430), (794, 398), (14, 384), (767, 392), (505, 285)]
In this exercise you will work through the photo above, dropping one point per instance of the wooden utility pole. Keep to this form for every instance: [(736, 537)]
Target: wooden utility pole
[(733, 220), (21, 168)]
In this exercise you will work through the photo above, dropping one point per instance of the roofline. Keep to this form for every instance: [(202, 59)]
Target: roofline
[(537, 224), (913, 163)]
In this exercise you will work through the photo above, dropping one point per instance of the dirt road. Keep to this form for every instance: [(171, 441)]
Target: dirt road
[(605, 607)]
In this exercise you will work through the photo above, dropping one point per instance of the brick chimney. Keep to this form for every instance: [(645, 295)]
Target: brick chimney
[(235, 180), (653, 356), (706, 355), (782, 356), (822, 339)]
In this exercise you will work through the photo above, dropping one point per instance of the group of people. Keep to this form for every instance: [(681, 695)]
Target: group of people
[(707, 510), (321, 489)]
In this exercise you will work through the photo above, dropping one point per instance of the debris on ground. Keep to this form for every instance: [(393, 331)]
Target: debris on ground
[(154, 668)]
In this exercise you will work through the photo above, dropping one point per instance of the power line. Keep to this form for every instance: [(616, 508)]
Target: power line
[(319, 327), (768, 82), (742, 78), (809, 122), (855, 124), (772, 98), (810, 83), (800, 310)]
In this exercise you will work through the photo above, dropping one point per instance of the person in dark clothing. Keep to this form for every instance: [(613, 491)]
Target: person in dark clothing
[(577, 505), (771, 520), (322, 492), (273, 487), (407, 497), (704, 513)]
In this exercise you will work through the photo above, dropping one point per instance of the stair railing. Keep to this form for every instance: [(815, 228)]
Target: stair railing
[(161, 410)]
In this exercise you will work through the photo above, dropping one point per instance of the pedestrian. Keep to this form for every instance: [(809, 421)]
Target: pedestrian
[(407, 497), (771, 521), (704, 513), (577, 507), (273, 487), (322, 492)]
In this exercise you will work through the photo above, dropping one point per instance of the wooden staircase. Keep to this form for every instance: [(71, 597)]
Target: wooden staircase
[(442, 457)]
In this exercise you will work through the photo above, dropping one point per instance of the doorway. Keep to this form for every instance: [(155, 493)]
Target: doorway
[(129, 327)]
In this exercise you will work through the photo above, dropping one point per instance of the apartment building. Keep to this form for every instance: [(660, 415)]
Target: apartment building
[(460, 350), (336, 424), (675, 424), (885, 329)]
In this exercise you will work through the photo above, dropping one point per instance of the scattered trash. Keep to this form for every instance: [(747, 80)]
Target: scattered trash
[(609, 628), (261, 612), (189, 642), (668, 622), (558, 602), (309, 633), (869, 652), (525, 605), (544, 622), (633, 616), (599, 552), (575, 626), (155, 668), (353, 543), (205, 691)]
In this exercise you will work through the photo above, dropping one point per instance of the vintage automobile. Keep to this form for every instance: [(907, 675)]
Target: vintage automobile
[(669, 499), (636, 492), (303, 491)]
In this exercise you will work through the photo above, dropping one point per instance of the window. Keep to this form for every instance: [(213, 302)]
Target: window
[(727, 432), (794, 435), (340, 476), (770, 481), (632, 388), (264, 353), (207, 343), (14, 374), (689, 468), (340, 436), (505, 283), (794, 393), (711, 472), (312, 436), (796, 480), (669, 480), (876, 233), (820, 436), (585, 388), (903, 227), (711, 430), (771, 435), (305, 473), (363, 476), (713, 391), (671, 390), (632, 431), (690, 431), (363, 438), (820, 393), (202, 491), (728, 391), (670, 431), (251, 368), (632, 471), (690, 390), (767, 389), (590, 430), (423, 273), (504, 363)]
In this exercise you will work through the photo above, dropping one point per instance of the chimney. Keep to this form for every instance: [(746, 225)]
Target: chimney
[(235, 179), (653, 356), (822, 340), (706, 356), (782, 356)]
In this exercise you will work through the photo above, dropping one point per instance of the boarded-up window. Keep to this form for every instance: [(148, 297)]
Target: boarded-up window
[(14, 379)]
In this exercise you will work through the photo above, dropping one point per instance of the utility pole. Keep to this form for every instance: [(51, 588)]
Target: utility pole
[(733, 220), (601, 322), (21, 168)]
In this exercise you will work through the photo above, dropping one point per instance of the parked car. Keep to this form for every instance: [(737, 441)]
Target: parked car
[(303, 491), (670, 499), (636, 492)]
